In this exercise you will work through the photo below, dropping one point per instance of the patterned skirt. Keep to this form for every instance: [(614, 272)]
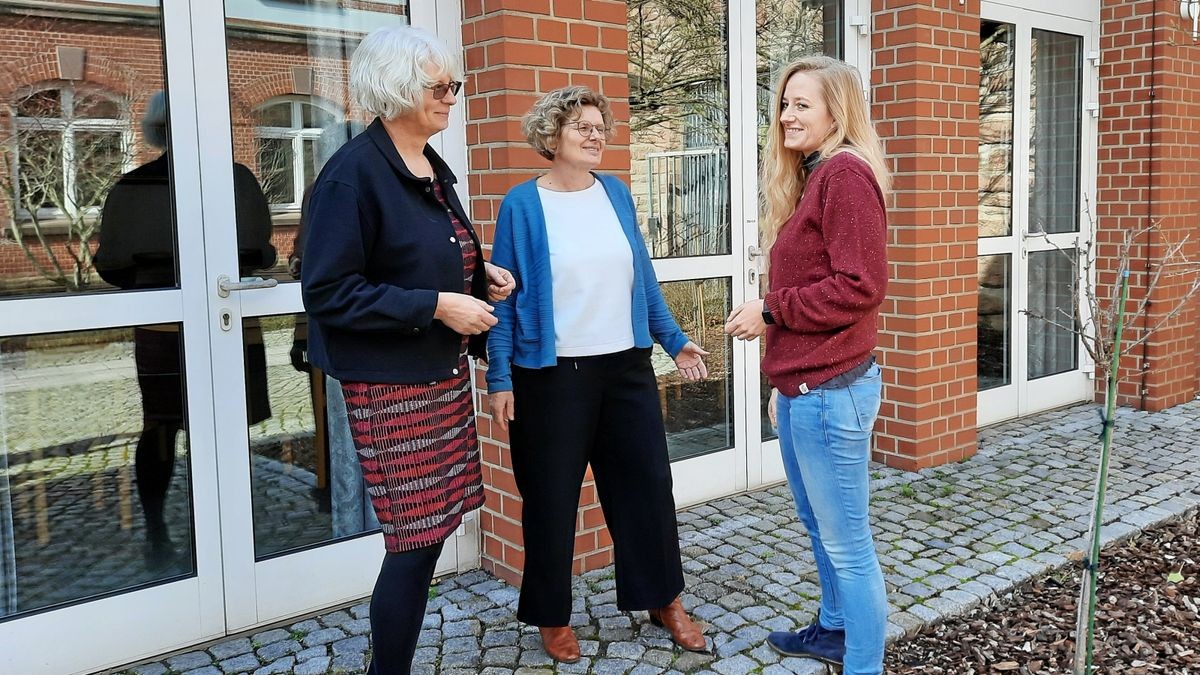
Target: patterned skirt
[(419, 455)]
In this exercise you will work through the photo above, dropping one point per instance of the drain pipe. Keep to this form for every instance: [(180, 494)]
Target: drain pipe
[(1150, 234)]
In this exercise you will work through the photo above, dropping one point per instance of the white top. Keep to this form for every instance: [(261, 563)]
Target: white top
[(591, 267)]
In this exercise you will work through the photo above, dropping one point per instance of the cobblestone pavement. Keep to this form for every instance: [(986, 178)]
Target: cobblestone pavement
[(947, 538)]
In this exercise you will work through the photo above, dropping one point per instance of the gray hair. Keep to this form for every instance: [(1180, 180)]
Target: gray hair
[(546, 119), (391, 67), (154, 121)]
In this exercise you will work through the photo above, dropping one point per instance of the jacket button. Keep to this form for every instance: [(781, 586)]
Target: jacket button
[(427, 189), (454, 371), (416, 330), (452, 240)]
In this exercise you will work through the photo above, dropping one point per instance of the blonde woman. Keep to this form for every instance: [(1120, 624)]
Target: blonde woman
[(824, 181)]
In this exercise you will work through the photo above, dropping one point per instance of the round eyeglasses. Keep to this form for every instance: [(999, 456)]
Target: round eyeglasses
[(440, 89), (586, 129)]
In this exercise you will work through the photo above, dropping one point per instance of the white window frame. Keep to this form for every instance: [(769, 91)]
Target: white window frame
[(297, 134), (66, 127)]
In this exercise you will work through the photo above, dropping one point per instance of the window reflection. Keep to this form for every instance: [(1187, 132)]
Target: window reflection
[(994, 327), (95, 474), (698, 415), (306, 483), (679, 125), (996, 99)]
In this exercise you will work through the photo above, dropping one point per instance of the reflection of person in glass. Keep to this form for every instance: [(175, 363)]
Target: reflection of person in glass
[(395, 284), (824, 178), (137, 251), (578, 386)]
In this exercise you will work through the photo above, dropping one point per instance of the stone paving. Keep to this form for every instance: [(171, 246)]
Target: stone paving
[(948, 538)]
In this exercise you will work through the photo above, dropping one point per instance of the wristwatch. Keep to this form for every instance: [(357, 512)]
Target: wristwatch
[(767, 318)]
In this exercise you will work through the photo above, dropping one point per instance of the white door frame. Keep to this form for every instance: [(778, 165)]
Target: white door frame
[(267, 591), (765, 463), (1023, 396), (129, 626)]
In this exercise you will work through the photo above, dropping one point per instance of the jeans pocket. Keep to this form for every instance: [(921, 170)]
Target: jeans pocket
[(865, 395)]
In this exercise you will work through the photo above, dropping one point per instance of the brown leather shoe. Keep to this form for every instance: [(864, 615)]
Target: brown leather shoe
[(685, 633), (560, 643)]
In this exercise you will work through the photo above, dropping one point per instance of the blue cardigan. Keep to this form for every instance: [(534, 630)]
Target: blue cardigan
[(524, 332)]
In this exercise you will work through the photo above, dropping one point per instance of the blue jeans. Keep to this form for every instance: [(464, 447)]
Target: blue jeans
[(825, 438)]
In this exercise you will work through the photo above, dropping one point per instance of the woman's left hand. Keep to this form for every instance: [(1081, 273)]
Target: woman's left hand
[(690, 362), (500, 282), (746, 322)]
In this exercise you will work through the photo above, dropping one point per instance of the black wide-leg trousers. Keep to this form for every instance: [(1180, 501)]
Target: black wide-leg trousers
[(601, 410)]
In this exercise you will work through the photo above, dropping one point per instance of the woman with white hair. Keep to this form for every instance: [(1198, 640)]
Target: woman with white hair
[(395, 286), (570, 373)]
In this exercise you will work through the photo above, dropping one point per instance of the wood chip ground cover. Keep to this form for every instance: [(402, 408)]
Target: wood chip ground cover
[(1148, 618)]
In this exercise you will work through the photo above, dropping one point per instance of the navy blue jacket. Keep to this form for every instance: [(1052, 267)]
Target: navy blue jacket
[(379, 249)]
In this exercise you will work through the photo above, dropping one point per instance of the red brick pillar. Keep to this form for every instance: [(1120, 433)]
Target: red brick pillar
[(1149, 152), (517, 50), (925, 88)]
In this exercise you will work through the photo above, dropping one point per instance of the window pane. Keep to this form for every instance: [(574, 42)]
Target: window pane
[(99, 158), (698, 415), (94, 465), (83, 220), (276, 115), (786, 31), (41, 104), (284, 56), (96, 106), (996, 97), (275, 170), (994, 327), (39, 173), (314, 117), (1053, 347), (679, 125), (305, 479), (1055, 109)]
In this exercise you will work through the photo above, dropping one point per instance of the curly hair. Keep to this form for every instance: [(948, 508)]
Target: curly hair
[(546, 119)]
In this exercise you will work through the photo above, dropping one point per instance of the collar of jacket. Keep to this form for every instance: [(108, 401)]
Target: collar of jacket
[(377, 133)]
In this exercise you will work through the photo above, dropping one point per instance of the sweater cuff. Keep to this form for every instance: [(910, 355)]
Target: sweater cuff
[(771, 303)]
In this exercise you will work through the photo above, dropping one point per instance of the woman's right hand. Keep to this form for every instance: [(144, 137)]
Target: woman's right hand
[(464, 314), (501, 404)]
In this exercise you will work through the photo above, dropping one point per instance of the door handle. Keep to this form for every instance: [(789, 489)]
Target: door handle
[(225, 285), (753, 251)]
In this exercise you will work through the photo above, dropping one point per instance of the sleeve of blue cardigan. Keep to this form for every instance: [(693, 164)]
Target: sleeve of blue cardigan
[(334, 283), (663, 327), (500, 336)]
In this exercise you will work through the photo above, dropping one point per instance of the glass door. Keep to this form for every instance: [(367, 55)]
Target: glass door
[(783, 32), (695, 134), (1036, 178), (293, 503), (108, 490)]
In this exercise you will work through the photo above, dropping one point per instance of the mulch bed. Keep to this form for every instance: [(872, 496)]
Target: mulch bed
[(1147, 618)]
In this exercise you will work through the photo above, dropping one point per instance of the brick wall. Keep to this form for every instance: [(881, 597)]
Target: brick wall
[(925, 88), (515, 51), (1150, 172)]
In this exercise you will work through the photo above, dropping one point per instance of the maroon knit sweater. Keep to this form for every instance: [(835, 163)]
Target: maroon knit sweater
[(828, 277)]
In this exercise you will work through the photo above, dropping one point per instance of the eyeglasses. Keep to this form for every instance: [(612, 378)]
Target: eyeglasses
[(586, 129), (442, 88)]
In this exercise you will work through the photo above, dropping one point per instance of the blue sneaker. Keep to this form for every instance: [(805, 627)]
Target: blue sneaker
[(814, 642)]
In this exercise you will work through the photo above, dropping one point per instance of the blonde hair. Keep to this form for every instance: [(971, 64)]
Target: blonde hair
[(783, 172), (546, 119)]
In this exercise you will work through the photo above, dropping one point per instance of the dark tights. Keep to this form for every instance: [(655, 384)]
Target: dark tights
[(398, 608), (154, 464)]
